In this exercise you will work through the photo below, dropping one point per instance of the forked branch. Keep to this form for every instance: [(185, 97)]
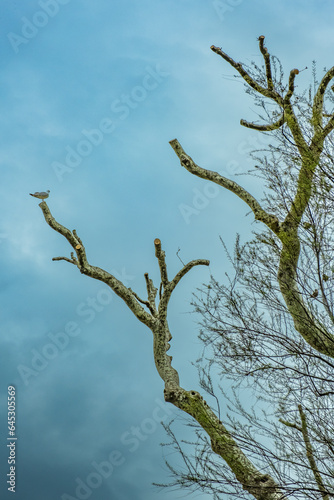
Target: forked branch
[(260, 485), (314, 333)]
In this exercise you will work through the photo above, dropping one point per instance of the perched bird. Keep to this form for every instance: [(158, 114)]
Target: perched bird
[(315, 294), (42, 195)]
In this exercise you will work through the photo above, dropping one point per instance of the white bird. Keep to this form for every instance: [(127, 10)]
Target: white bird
[(42, 195)]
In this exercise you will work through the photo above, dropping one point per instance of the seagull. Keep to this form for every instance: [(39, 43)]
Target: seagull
[(42, 195)]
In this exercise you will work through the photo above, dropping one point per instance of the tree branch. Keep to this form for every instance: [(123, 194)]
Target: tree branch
[(291, 88), (318, 101), (145, 302), (259, 213), (266, 58), (95, 272), (72, 260), (290, 424), (264, 128), (310, 455), (260, 485), (151, 294), (272, 94), (328, 127), (160, 255)]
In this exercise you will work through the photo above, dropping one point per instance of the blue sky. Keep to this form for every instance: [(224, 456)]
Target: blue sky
[(91, 94)]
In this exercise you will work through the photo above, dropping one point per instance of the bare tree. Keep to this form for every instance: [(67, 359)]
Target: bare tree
[(269, 328)]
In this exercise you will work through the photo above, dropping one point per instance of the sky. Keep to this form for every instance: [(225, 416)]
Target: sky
[(91, 94)]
